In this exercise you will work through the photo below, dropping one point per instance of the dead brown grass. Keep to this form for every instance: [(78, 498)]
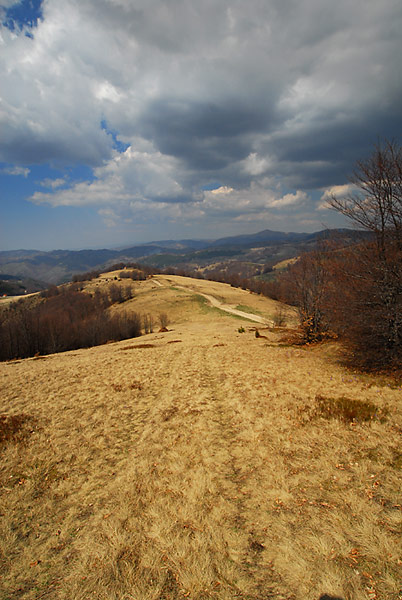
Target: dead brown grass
[(15, 428), (207, 469), (348, 410)]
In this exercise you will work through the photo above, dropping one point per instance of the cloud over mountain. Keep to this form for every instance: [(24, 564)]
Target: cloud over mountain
[(165, 100)]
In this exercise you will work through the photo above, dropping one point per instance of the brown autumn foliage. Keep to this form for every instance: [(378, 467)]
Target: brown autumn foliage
[(306, 285), (356, 292), (366, 303), (64, 321)]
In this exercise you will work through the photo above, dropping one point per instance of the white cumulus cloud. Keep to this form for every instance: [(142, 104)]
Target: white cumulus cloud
[(17, 171), (339, 191), (53, 183)]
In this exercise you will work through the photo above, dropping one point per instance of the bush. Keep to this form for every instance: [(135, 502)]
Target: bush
[(279, 316), (163, 320)]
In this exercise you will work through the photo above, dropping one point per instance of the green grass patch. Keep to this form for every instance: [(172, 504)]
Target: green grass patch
[(206, 307), (248, 309)]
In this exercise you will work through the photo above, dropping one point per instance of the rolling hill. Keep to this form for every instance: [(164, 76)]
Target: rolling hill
[(265, 248), (200, 462)]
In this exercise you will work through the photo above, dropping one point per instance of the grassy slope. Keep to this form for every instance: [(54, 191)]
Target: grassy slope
[(197, 467)]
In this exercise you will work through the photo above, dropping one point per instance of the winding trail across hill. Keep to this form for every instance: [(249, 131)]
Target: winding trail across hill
[(221, 306), (234, 311)]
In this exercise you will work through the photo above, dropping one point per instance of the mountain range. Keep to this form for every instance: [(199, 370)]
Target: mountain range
[(34, 268)]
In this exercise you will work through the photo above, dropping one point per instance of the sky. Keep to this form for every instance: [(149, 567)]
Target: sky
[(127, 121)]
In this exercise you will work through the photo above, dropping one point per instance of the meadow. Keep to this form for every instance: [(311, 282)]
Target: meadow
[(199, 463)]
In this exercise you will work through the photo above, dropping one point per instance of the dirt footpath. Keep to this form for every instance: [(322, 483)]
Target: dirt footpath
[(222, 306)]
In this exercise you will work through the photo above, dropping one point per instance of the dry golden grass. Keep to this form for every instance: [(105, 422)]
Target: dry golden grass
[(280, 266), (8, 299), (207, 469)]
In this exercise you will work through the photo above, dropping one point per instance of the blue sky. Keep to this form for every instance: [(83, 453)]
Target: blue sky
[(124, 121)]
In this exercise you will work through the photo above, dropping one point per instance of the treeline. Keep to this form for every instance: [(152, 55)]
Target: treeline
[(115, 294), (252, 284), (353, 293), (133, 271), (66, 320)]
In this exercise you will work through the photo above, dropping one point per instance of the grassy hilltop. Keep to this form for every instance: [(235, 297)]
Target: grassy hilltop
[(199, 463)]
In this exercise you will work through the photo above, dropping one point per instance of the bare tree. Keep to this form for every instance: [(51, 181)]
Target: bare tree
[(148, 323), (279, 316), (305, 285), (128, 292), (375, 273), (376, 203)]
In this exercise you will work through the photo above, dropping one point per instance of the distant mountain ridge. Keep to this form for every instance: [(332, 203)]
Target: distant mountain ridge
[(58, 266), (261, 237)]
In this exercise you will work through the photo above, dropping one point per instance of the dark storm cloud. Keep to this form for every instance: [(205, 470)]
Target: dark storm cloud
[(327, 152), (204, 135), (28, 148)]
